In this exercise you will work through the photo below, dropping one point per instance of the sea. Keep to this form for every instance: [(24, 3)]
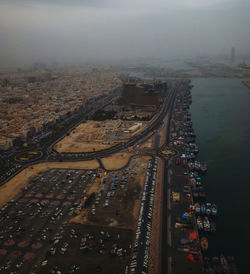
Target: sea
[(220, 113)]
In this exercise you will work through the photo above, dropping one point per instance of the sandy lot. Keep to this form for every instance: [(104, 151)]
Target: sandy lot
[(81, 139), (97, 135), (15, 185), (116, 161)]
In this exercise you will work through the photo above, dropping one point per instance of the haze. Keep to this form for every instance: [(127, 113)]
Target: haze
[(72, 31)]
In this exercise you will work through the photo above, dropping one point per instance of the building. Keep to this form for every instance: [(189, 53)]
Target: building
[(140, 95), (6, 143)]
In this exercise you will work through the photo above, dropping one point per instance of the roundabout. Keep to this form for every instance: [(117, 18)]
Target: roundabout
[(168, 153), (28, 156)]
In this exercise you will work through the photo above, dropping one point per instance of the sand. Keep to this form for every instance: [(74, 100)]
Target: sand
[(116, 161), (97, 135)]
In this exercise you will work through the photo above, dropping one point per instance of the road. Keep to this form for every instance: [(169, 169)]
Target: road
[(47, 147), (50, 155), (140, 253)]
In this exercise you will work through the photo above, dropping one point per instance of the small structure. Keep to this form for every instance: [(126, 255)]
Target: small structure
[(176, 196)]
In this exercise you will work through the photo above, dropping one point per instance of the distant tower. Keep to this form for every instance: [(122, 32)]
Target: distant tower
[(232, 55)]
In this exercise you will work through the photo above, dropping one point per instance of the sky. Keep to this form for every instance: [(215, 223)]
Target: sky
[(82, 30)]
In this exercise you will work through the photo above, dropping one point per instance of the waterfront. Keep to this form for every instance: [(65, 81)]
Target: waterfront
[(220, 115)]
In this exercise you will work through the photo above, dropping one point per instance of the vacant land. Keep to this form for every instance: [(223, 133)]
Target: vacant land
[(96, 135), (15, 185), (116, 161)]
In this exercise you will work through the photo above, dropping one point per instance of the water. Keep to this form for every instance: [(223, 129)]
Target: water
[(221, 119)]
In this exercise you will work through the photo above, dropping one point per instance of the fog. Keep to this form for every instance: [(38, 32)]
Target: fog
[(82, 30)]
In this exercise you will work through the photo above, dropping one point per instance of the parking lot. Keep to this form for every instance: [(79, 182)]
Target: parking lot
[(68, 221), (29, 223), (140, 256), (117, 198)]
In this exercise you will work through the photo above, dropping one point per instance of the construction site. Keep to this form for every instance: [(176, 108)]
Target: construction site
[(97, 135)]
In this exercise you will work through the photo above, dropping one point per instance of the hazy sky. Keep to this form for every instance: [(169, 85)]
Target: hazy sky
[(73, 30)]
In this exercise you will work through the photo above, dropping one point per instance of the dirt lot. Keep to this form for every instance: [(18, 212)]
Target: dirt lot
[(121, 208), (15, 185), (116, 161), (97, 135)]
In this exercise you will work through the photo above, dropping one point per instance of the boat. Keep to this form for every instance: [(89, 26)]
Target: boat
[(192, 181), (214, 209), (203, 209), (197, 165), (208, 208), (196, 149), (196, 174), (212, 226), (191, 175), (204, 244), (192, 156), (198, 183), (206, 224), (184, 220), (198, 179), (199, 223), (197, 208)]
